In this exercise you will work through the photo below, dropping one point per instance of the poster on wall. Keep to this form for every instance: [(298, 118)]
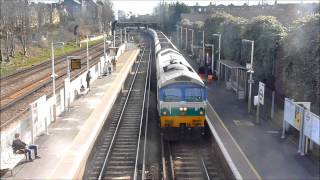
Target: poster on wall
[(289, 112)]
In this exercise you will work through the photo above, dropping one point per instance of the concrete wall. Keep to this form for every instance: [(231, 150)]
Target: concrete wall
[(35, 121)]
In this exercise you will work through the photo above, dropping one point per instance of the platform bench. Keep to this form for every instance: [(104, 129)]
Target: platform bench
[(9, 159)]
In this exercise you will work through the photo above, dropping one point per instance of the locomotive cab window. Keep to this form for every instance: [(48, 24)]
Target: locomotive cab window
[(172, 94), (194, 94)]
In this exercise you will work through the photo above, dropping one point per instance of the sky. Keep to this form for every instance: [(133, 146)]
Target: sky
[(147, 6)]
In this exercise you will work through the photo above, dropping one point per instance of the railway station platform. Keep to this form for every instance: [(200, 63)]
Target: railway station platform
[(255, 150), (65, 150)]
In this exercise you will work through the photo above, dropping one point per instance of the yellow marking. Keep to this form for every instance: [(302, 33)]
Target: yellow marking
[(174, 121), (237, 145)]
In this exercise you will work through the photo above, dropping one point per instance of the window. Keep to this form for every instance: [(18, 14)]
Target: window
[(194, 94), (172, 94)]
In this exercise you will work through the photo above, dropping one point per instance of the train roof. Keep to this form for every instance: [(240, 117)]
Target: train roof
[(174, 68)]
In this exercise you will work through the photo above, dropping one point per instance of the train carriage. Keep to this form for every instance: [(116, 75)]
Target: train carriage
[(182, 95)]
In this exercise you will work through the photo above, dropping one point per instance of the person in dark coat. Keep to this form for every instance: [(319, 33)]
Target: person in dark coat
[(88, 78), (20, 147)]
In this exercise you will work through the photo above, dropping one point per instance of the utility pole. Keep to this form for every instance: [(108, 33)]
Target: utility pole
[(177, 34), (87, 52), (203, 54), (219, 57), (192, 31), (250, 70), (186, 38), (53, 75), (181, 37)]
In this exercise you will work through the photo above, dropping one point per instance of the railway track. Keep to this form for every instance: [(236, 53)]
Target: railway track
[(16, 106), (117, 155), (189, 160), (14, 90)]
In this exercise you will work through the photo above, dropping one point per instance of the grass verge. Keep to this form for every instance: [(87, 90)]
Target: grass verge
[(41, 54)]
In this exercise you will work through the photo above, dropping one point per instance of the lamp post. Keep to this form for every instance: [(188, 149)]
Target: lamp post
[(212, 56), (219, 48), (68, 79), (181, 42), (186, 38), (53, 75), (203, 54), (250, 70), (192, 31)]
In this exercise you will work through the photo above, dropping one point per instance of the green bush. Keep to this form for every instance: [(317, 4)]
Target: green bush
[(267, 33), (299, 69), (231, 29)]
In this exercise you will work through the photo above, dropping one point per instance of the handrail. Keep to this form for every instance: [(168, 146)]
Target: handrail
[(120, 118), (141, 119)]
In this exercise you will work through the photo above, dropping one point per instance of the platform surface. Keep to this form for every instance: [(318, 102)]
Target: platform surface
[(72, 126), (257, 149)]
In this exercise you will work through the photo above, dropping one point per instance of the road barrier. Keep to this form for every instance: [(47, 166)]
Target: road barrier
[(299, 116)]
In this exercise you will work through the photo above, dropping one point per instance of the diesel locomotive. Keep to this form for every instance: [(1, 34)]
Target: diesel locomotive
[(181, 93)]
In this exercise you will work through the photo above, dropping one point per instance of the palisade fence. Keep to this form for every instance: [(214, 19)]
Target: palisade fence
[(299, 116), (34, 121)]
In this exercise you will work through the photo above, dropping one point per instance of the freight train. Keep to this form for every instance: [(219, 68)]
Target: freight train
[(181, 93)]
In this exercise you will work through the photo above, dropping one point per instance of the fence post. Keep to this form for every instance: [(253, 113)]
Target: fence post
[(272, 105), (302, 135)]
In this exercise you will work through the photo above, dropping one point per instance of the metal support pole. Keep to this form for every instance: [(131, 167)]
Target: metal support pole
[(87, 52), (114, 38), (258, 113), (212, 58), (219, 57), (251, 72), (177, 34), (125, 34), (120, 36), (53, 85), (181, 37), (203, 47), (69, 79), (272, 105), (186, 39)]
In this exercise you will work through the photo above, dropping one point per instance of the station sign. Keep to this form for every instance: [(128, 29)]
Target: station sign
[(261, 92), (75, 64)]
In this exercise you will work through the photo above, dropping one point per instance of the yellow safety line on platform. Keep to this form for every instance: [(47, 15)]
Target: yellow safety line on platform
[(237, 145)]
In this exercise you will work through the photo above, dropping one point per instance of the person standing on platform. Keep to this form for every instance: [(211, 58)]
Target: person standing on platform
[(20, 147), (109, 67), (88, 78), (114, 64)]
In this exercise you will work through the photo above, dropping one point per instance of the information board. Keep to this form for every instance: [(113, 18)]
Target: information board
[(261, 92)]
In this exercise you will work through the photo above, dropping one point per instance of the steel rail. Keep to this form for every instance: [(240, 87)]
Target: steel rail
[(204, 168), (44, 64), (164, 168), (50, 93), (13, 102), (147, 118), (171, 162), (142, 116), (120, 118)]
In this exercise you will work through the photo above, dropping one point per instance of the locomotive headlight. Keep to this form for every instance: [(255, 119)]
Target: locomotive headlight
[(201, 112), (164, 113), (185, 109), (181, 108)]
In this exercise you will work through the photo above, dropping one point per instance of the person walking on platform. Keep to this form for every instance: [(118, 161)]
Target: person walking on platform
[(88, 78), (114, 64), (20, 147)]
